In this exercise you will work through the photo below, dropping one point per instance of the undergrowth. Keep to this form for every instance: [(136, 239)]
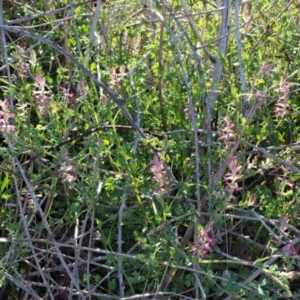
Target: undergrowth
[(149, 151)]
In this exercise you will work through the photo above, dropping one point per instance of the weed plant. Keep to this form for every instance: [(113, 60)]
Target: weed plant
[(149, 150)]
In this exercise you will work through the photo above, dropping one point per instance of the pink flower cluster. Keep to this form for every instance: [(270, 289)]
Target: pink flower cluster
[(289, 249), (282, 107), (159, 177), (227, 133), (72, 95), (68, 95), (232, 177), (42, 96), (260, 96), (66, 171), (229, 136), (5, 115), (22, 66), (204, 244), (266, 69)]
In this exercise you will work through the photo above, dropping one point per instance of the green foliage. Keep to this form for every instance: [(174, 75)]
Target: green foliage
[(81, 201)]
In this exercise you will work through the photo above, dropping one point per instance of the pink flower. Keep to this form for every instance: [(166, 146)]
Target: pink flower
[(227, 133), (5, 115), (286, 181), (289, 249), (204, 244), (267, 68), (68, 95), (282, 107), (159, 176), (22, 66), (260, 96), (42, 96), (232, 177), (66, 171)]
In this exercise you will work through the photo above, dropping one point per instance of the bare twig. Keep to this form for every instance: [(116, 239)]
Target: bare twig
[(40, 15), (239, 48), (268, 154), (161, 70), (195, 30), (22, 285), (112, 253)]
